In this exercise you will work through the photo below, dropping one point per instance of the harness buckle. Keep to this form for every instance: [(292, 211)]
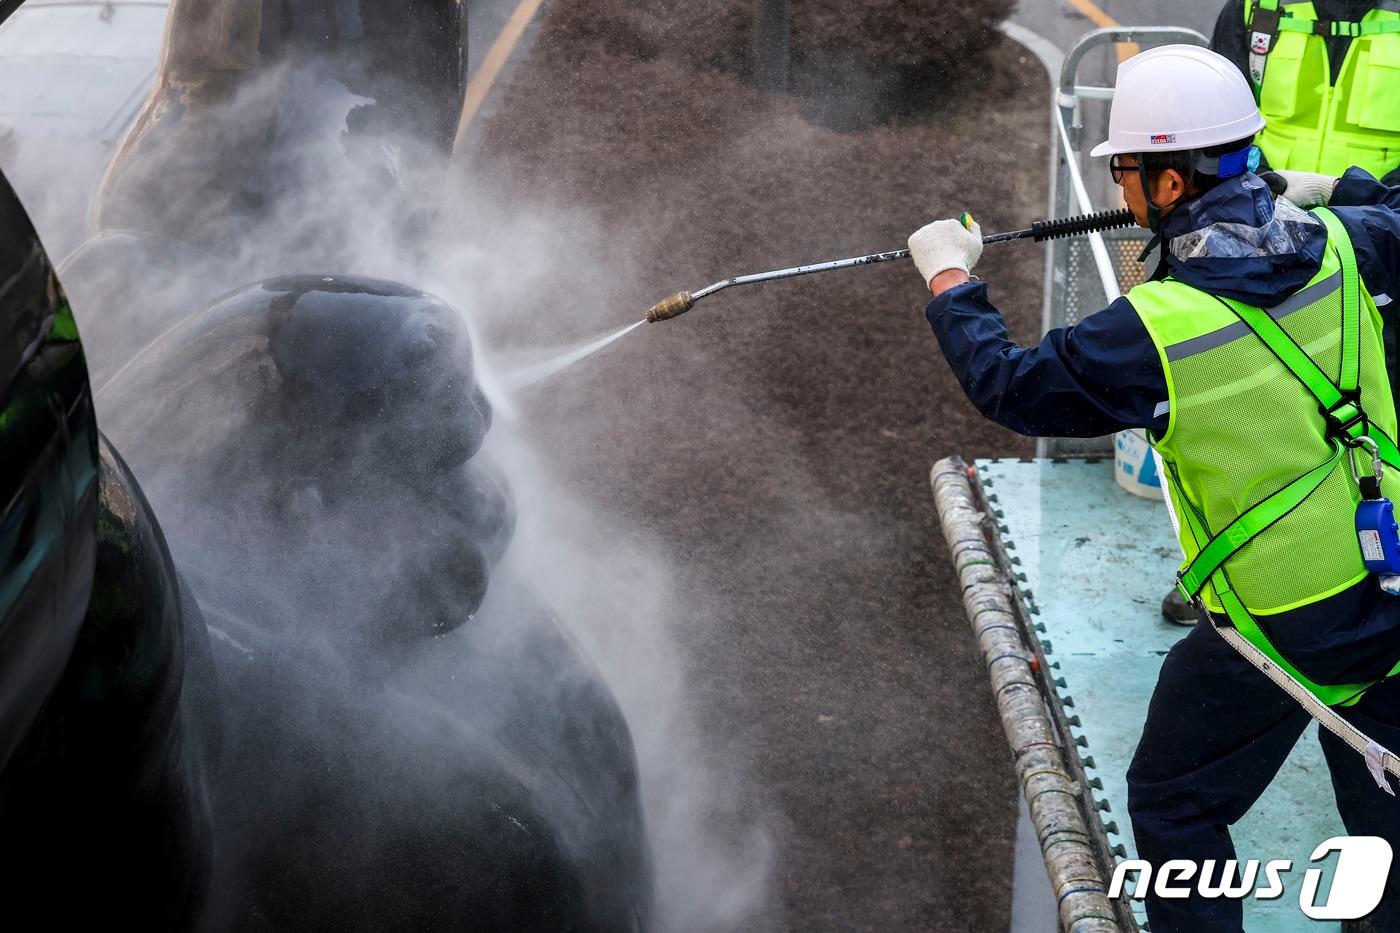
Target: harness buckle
[(1342, 417), (1192, 600), (1335, 27)]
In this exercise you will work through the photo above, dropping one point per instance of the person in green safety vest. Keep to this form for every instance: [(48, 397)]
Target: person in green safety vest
[(1256, 359), (1330, 97), (1326, 75)]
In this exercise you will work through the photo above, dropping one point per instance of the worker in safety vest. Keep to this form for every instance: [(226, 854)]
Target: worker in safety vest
[(1257, 452), (1326, 75)]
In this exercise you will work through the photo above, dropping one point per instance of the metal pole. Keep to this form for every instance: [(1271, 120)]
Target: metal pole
[(681, 302), (771, 45)]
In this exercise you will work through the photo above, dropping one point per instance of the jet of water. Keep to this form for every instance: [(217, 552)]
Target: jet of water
[(526, 376)]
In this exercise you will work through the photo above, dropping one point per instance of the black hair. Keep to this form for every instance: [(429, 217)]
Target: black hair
[(1184, 162)]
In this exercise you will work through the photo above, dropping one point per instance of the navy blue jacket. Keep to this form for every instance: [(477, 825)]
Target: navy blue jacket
[(1104, 374)]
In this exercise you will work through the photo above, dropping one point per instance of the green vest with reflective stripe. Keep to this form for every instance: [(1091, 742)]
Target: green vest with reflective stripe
[(1242, 427), (1267, 408), (1314, 126)]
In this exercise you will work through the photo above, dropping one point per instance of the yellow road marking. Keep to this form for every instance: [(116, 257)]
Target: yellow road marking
[(1101, 19), (1097, 16), (496, 57)]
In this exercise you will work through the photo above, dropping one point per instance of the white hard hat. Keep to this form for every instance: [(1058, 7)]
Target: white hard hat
[(1177, 97)]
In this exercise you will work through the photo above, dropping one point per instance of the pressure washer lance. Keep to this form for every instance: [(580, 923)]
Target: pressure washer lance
[(681, 302)]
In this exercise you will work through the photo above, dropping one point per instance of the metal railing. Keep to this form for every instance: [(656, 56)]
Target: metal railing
[(1084, 274)]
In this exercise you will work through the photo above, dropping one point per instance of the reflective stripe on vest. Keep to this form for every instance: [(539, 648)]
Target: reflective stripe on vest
[(1261, 404), (1314, 126)]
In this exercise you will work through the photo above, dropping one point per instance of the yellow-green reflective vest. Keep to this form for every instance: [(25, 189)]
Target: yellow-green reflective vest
[(1242, 427), (1313, 125)]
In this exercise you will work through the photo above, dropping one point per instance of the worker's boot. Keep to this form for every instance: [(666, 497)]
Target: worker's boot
[(1177, 610)]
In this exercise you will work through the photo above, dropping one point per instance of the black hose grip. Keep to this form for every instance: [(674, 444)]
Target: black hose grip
[(1084, 223)]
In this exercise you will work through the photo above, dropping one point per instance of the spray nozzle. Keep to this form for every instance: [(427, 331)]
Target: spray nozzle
[(667, 308)]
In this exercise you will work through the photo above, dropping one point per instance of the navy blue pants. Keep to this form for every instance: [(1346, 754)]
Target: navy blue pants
[(1217, 732)]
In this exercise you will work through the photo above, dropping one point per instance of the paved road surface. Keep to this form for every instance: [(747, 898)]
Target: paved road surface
[(1062, 21)]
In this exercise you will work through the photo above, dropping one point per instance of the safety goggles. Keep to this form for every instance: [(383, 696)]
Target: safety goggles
[(1118, 168)]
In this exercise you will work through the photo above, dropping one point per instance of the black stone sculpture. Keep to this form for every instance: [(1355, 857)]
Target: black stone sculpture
[(409, 733)]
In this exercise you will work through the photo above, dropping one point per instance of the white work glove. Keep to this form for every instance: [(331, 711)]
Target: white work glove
[(944, 245), (1308, 189)]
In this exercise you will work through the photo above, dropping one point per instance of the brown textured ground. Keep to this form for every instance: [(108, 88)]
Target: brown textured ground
[(777, 440)]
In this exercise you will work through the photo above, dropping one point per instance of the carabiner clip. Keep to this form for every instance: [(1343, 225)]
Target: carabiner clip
[(1377, 465)]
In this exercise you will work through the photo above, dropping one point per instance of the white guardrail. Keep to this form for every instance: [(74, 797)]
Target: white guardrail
[(1084, 274)]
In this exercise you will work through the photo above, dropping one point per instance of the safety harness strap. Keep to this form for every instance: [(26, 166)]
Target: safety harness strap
[(1340, 406), (1381, 762), (1244, 635), (1342, 411), (1350, 375), (1250, 523), (1335, 27), (1339, 403), (1266, 18), (1292, 356), (1244, 623), (1263, 20)]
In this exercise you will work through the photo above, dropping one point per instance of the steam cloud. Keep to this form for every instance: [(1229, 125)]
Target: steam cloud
[(318, 535)]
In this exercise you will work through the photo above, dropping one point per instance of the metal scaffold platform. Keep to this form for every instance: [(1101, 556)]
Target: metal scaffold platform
[(1089, 565)]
